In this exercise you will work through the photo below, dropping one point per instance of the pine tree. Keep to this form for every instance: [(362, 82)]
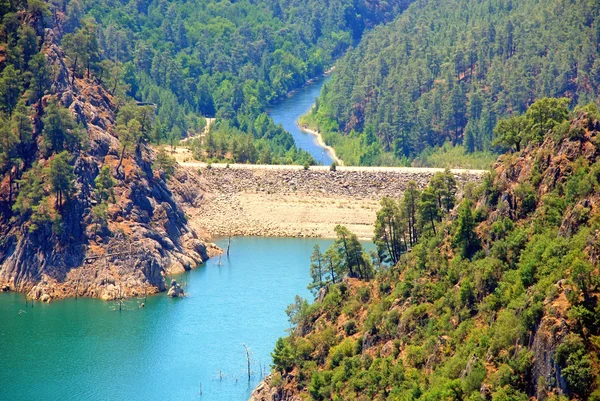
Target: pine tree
[(428, 208), (31, 190), (409, 203), (105, 183), (9, 141), (60, 131), (350, 253), (61, 176), (465, 238), (165, 163), (82, 48), (449, 193), (282, 355), (317, 272), (389, 231), (40, 77), (10, 89)]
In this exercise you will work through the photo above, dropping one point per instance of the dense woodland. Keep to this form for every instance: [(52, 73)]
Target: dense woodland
[(447, 71), (490, 296), (221, 59)]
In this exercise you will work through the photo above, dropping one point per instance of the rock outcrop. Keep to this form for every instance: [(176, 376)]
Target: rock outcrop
[(147, 234), (175, 291), (265, 391)]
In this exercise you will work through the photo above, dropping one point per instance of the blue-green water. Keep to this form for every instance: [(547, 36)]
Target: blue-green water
[(288, 111), (84, 350)]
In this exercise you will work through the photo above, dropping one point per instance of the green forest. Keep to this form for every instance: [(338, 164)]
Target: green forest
[(496, 299), (220, 59), (444, 72)]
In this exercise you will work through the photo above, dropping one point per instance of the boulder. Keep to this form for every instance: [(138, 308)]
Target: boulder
[(175, 290)]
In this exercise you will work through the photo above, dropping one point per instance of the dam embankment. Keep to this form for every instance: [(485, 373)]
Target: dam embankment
[(288, 201)]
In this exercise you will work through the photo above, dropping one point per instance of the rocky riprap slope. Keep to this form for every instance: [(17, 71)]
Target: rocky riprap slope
[(147, 232), (357, 184)]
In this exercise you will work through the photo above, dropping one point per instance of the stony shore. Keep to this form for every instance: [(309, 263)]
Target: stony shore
[(293, 202)]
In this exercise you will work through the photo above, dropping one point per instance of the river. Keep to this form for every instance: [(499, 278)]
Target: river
[(86, 349), (289, 110)]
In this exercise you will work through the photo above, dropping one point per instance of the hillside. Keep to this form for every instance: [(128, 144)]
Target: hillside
[(447, 71), (223, 59), (496, 301), (86, 208)]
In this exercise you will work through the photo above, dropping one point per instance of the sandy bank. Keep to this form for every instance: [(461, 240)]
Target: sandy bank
[(321, 142)]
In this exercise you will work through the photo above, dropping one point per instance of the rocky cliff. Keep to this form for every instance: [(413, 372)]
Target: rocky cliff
[(147, 234)]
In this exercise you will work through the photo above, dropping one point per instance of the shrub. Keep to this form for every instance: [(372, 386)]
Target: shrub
[(363, 294), (576, 365), (165, 163), (283, 355), (474, 378), (333, 166), (339, 352), (350, 327), (526, 198), (319, 388), (276, 380)]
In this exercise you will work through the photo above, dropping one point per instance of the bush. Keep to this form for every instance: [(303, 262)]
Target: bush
[(283, 355), (276, 380), (576, 365), (319, 388), (339, 352), (350, 327), (363, 294), (333, 167), (472, 382), (165, 163), (526, 198)]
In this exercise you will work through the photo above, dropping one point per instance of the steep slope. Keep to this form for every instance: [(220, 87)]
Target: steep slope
[(448, 70), (55, 240), (501, 304)]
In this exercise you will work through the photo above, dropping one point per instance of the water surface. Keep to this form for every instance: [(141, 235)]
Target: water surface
[(84, 350), (288, 111)]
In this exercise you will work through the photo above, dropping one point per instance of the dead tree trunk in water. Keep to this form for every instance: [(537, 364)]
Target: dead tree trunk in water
[(248, 359)]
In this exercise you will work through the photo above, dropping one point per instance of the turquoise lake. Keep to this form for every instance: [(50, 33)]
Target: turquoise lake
[(170, 349), (289, 110)]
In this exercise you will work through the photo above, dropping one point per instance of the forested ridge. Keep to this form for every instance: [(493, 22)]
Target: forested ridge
[(447, 71), (485, 293), (223, 59)]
